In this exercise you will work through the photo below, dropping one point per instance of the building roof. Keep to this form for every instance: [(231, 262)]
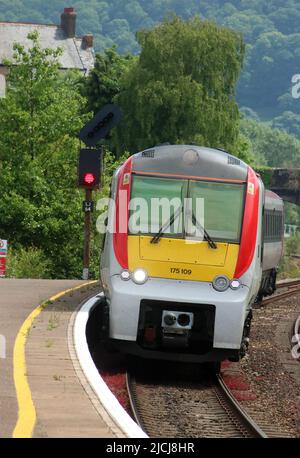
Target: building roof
[(75, 54)]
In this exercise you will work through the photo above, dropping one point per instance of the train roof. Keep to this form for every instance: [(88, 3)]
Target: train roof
[(190, 161), (273, 201)]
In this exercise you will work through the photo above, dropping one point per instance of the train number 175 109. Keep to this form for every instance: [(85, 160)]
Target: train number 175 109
[(177, 270)]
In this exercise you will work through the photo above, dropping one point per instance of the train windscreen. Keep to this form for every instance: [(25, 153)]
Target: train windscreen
[(223, 208), (164, 204)]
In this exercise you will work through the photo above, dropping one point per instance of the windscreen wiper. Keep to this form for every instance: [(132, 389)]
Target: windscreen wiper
[(168, 223), (206, 237)]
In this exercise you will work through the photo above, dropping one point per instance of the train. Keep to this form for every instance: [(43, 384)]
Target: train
[(193, 242)]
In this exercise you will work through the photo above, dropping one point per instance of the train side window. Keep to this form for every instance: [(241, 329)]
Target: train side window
[(267, 225), (263, 235)]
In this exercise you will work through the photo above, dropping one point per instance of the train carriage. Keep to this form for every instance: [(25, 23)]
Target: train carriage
[(194, 241)]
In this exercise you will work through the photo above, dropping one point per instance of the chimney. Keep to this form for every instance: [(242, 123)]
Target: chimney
[(87, 41), (68, 22)]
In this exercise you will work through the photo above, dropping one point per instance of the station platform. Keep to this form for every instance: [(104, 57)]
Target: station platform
[(43, 392)]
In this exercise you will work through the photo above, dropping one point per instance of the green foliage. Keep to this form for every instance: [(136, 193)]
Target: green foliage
[(292, 214), (28, 263), (289, 121), (40, 204), (104, 81), (182, 93), (266, 174), (292, 245), (289, 265), (270, 28), (271, 62), (288, 268), (271, 147)]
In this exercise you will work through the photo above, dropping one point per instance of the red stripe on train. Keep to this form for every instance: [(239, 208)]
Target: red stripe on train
[(120, 237), (249, 227)]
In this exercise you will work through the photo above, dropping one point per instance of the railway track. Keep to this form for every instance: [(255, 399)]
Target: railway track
[(288, 283), (202, 408), (292, 286), (188, 408)]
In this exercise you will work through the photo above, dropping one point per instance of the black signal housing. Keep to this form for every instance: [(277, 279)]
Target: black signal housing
[(89, 168)]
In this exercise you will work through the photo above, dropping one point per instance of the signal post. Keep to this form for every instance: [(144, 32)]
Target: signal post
[(89, 174), (87, 235), (90, 168)]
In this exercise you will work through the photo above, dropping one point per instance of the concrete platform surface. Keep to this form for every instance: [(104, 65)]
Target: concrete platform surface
[(63, 407)]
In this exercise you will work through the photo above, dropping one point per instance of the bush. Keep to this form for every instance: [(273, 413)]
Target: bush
[(27, 263), (292, 245), (290, 267)]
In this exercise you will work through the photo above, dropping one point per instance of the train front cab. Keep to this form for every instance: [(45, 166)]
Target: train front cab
[(176, 312)]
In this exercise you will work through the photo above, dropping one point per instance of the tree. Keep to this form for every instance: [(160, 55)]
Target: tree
[(104, 81), (289, 121), (271, 147), (249, 24), (40, 204), (270, 60), (271, 63), (292, 214), (182, 87)]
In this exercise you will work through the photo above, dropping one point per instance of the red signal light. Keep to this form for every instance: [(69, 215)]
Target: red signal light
[(89, 168), (89, 178)]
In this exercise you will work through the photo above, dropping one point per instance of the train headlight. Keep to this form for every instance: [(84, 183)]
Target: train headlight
[(139, 276), (235, 284), (125, 275), (221, 283)]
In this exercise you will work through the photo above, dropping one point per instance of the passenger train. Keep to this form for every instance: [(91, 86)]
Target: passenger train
[(180, 284)]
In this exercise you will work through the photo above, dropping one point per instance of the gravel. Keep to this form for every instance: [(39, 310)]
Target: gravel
[(266, 369)]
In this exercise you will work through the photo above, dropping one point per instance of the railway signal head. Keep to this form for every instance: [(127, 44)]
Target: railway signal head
[(100, 126), (89, 168)]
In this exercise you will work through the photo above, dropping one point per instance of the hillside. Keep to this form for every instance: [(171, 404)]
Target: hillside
[(271, 30)]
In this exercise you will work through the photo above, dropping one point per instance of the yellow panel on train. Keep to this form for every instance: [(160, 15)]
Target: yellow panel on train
[(181, 259)]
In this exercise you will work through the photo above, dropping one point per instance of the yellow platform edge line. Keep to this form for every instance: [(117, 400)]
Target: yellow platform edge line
[(26, 410)]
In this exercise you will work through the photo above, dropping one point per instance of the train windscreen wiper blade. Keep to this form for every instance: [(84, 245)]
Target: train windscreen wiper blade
[(206, 237), (168, 223)]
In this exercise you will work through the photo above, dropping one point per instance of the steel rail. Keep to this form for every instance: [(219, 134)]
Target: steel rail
[(278, 297), (239, 411), (236, 414), (287, 283), (130, 385)]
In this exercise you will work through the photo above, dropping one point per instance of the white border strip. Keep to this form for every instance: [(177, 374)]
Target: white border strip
[(106, 397)]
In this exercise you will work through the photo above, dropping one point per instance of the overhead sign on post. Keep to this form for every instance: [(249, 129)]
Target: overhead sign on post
[(101, 124)]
